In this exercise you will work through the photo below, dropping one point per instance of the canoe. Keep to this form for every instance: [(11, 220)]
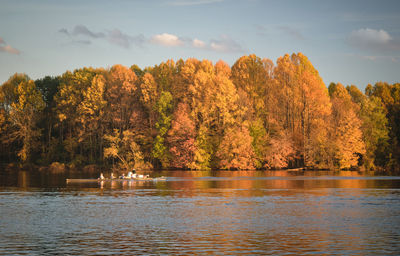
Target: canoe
[(108, 180)]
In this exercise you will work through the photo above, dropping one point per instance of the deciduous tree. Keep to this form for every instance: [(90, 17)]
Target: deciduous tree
[(348, 135), (24, 114), (181, 138), (235, 150)]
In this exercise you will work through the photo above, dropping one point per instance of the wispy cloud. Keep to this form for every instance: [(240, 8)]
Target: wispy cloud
[(225, 44), (167, 40), (369, 17), (261, 30), (373, 58), (198, 43), (4, 47), (371, 39), (384, 58), (117, 37), (192, 2), (87, 42), (114, 36), (64, 31), (83, 30), (293, 32)]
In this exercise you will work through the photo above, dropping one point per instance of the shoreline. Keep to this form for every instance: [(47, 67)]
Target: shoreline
[(55, 168)]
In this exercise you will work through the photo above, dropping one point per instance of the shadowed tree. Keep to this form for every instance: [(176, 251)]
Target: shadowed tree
[(48, 86), (375, 133), (390, 97), (91, 117), (8, 130), (68, 100)]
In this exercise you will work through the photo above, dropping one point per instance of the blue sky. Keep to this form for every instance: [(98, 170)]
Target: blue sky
[(352, 42)]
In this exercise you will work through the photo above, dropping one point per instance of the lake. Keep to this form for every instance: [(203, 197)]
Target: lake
[(201, 213)]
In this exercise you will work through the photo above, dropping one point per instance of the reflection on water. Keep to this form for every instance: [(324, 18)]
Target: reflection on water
[(201, 213)]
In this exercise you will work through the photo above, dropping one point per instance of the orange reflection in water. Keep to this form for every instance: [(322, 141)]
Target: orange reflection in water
[(225, 212)]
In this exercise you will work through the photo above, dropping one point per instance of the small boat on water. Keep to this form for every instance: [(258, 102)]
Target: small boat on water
[(108, 180)]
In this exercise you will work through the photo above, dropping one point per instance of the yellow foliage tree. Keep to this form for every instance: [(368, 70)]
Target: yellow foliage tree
[(24, 114), (348, 136)]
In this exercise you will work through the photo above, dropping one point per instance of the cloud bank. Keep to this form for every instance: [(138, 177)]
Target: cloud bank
[(4, 47), (375, 40), (223, 44), (82, 35), (114, 36), (167, 40)]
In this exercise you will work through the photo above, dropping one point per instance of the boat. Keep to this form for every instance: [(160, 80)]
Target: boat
[(117, 179)]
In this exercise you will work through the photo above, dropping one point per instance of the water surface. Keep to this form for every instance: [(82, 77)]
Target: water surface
[(202, 213)]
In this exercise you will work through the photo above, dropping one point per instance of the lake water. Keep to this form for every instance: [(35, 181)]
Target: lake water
[(201, 213)]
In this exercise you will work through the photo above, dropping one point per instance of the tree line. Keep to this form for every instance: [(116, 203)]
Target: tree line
[(192, 114)]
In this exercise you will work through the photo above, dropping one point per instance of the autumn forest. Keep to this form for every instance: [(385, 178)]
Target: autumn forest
[(193, 114)]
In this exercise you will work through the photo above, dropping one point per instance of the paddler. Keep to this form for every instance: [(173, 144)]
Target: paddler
[(132, 174), (129, 175), (101, 176)]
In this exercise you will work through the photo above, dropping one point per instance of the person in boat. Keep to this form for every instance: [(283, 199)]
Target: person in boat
[(101, 176), (134, 175), (129, 176), (122, 176), (112, 176)]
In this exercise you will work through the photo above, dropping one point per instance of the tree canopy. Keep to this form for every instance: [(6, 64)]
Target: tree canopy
[(193, 114)]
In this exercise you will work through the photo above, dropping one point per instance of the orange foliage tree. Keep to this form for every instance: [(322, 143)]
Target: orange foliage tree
[(194, 114)]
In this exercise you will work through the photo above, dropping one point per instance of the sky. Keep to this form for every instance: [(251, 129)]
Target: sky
[(348, 41)]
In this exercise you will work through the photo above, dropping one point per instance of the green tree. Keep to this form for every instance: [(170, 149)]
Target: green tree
[(164, 109), (356, 95), (390, 97), (260, 142), (375, 133)]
